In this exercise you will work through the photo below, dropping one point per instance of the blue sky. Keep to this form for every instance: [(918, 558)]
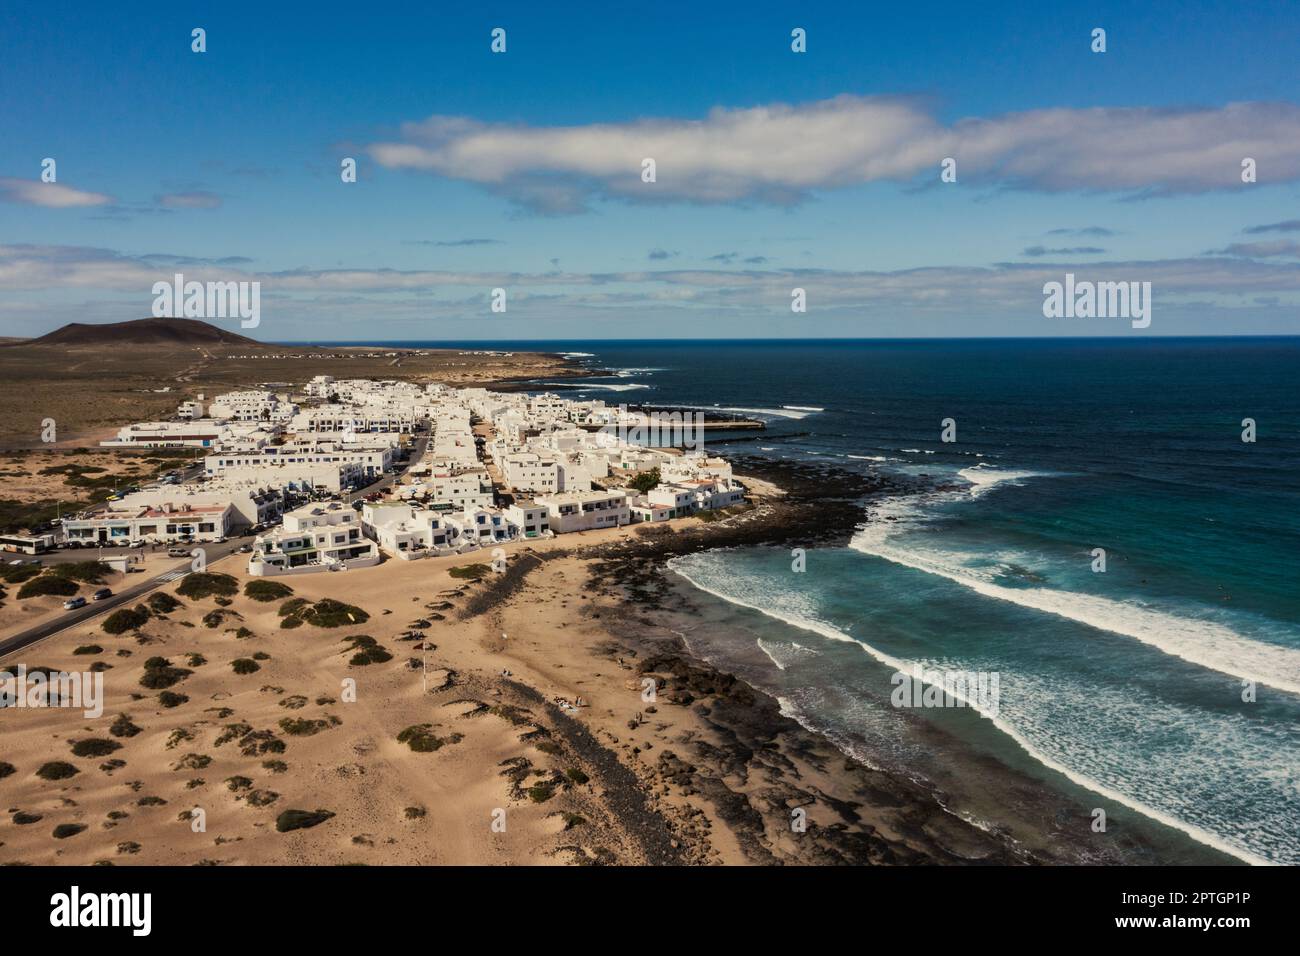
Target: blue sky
[(775, 169)]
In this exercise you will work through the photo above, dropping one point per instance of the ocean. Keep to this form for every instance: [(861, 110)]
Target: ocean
[(1165, 686)]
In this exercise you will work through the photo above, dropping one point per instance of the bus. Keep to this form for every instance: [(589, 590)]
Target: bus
[(26, 543)]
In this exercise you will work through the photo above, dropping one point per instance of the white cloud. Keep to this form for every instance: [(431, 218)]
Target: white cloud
[(778, 153), (33, 192)]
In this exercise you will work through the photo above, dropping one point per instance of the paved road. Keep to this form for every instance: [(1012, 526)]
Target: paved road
[(214, 553)]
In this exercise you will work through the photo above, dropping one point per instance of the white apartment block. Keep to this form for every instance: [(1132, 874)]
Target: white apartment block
[(204, 433), (531, 519), (258, 405), (586, 510), (313, 538), (151, 524), (253, 504), (528, 471), (366, 459), (455, 489)]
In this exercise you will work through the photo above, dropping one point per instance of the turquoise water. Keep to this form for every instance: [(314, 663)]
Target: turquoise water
[(1128, 683)]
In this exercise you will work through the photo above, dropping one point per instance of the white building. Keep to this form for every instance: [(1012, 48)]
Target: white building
[(151, 524), (313, 538), (585, 510)]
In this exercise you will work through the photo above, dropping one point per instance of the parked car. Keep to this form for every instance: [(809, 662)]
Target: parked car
[(177, 553), (101, 594), (73, 603), (245, 549)]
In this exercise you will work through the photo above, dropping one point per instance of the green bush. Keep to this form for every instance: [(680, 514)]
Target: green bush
[(126, 619), (306, 726), (17, 574), (328, 612), (48, 584), (300, 819), (168, 699), (470, 571), (123, 727), (421, 738), (242, 665), (264, 590), (160, 602), (646, 481), (89, 649), (57, 770), (159, 674), (94, 747), (203, 584), (87, 572)]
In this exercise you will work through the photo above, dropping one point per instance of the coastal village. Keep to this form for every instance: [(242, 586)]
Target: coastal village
[(313, 476)]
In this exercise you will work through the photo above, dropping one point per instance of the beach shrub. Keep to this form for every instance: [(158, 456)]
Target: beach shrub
[(264, 590), (275, 766), (48, 585), (168, 699), (151, 802), (328, 612), (367, 650), (243, 665), (161, 602), (541, 792), (87, 572), (57, 770), (572, 820), (22, 818), (422, 739), (126, 619), (195, 660), (470, 572), (292, 606), (65, 830), (576, 775), (290, 622), (235, 784), (300, 819), (201, 584), (17, 574), (94, 747), (307, 726), (6, 769), (122, 727), (262, 798), (89, 649), (159, 674)]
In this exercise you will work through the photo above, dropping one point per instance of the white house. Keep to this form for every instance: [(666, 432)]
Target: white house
[(313, 538), (585, 510)]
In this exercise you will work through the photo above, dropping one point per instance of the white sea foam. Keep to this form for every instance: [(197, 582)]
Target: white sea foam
[(1198, 640), (833, 633), (598, 387), (775, 412), (804, 408), (984, 478)]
